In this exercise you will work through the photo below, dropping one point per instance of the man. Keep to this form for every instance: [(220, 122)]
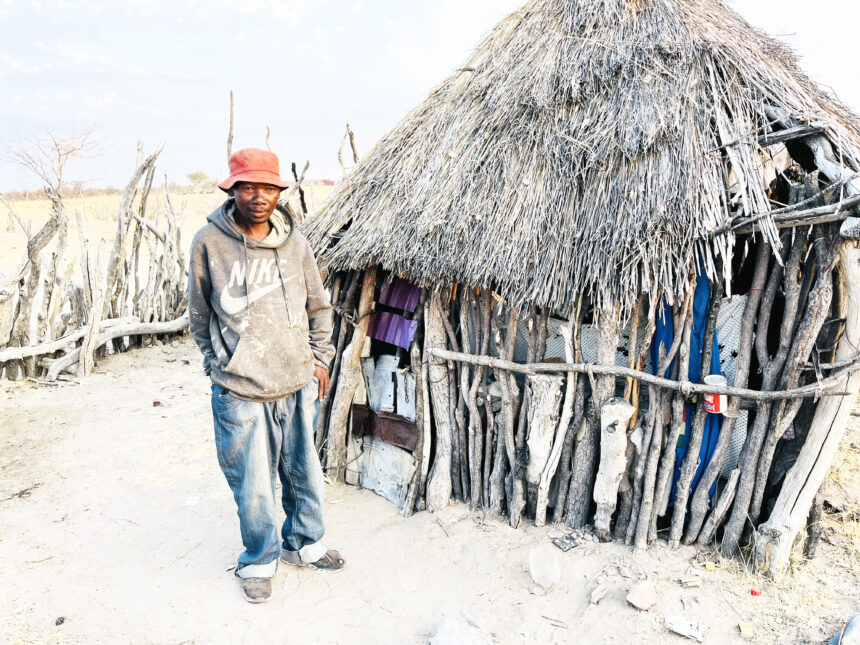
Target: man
[(260, 315)]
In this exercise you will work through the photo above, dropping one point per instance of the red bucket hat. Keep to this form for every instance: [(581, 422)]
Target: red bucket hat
[(255, 166)]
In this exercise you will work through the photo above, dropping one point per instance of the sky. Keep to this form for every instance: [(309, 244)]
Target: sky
[(161, 71)]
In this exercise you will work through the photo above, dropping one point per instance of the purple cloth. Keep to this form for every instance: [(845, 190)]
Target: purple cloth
[(392, 328), (399, 293)]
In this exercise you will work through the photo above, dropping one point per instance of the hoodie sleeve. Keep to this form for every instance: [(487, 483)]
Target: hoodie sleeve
[(319, 311), (199, 309)]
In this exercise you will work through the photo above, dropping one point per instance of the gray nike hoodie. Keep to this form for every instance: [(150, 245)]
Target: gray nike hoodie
[(257, 310)]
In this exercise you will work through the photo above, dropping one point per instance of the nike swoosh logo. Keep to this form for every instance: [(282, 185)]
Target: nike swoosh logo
[(232, 305)]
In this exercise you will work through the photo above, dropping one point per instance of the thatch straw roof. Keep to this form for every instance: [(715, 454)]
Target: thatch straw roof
[(578, 149)]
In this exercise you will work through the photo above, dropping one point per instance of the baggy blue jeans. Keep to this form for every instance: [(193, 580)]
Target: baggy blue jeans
[(256, 443)]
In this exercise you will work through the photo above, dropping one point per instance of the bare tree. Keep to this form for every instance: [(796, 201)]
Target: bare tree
[(48, 156), (14, 217)]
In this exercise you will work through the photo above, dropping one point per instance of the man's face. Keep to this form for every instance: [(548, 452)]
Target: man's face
[(255, 202)]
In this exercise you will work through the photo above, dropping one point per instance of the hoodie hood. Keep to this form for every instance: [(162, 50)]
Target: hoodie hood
[(282, 226)]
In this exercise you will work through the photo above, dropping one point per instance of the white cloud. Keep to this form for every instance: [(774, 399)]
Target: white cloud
[(72, 54), (287, 14), (9, 63)]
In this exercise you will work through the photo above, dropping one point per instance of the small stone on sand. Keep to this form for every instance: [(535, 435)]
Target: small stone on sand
[(642, 595)]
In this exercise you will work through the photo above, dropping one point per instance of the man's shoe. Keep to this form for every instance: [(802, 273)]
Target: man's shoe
[(331, 561), (257, 589)]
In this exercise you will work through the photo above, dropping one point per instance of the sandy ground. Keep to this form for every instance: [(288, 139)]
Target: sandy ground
[(115, 517)]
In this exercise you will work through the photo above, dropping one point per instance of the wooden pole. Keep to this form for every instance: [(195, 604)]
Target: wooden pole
[(352, 145), (53, 292), (350, 373), (572, 429), (544, 393), (808, 217), (66, 342), (633, 454), (677, 424), (500, 465), (586, 453), (642, 430), (416, 368), (700, 500), (561, 429), (459, 429), (109, 330), (439, 486), (486, 310), (803, 344), (694, 441), (771, 369), (230, 131), (345, 309), (614, 417), (119, 252), (650, 453), (631, 351), (525, 401), (821, 388), (460, 454), (455, 423), (22, 332), (721, 507), (427, 422), (476, 427), (469, 394), (301, 191), (652, 447), (510, 395), (775, 537)]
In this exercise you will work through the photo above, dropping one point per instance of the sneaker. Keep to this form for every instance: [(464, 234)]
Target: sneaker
[(257, 589), (331, 561)]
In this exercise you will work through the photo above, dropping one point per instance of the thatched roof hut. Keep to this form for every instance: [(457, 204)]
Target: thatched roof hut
[(581, 148), (596, 162)]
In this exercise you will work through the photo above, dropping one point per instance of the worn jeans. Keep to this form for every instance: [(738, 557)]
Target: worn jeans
[(257, 442)]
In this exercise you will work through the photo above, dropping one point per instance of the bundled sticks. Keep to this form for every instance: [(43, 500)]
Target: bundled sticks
[(50, 323)]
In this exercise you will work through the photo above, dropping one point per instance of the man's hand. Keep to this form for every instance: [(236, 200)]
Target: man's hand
[(322, 376)]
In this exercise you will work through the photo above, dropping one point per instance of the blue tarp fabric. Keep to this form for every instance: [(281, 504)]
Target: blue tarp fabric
[(664, 334)]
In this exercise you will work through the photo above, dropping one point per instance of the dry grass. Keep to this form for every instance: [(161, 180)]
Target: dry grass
[(579, 151), (100, 220), (100, 213)]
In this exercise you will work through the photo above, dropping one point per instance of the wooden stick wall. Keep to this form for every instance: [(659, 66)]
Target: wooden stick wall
[(522, 440)]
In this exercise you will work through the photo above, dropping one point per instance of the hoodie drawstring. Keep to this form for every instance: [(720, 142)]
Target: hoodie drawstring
[(283, 287), (247, 278)]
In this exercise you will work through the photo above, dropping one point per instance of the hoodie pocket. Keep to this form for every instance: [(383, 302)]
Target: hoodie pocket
[(237, 358), (281, 361)]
